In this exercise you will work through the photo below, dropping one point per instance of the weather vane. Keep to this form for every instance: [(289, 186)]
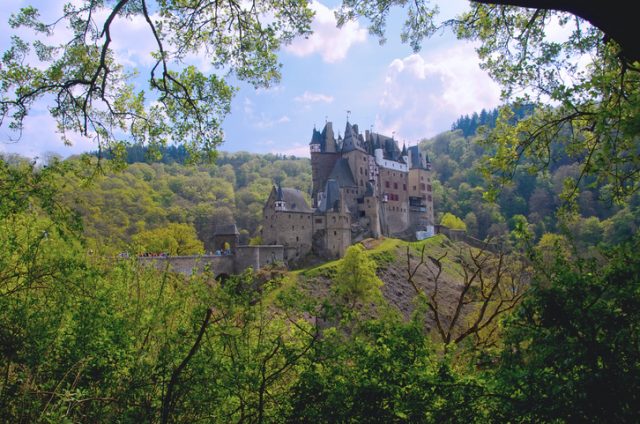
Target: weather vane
[(348, 114)]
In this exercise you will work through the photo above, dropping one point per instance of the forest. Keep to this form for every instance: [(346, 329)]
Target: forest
[(537, 320), (87, 337)]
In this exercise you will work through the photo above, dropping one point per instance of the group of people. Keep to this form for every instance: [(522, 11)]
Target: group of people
[(225, 251)]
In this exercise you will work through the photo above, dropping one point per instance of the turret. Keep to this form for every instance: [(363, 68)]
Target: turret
[(280, 204), (315, 146)]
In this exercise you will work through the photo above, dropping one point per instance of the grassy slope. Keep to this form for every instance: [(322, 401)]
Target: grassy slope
[(390, 256)]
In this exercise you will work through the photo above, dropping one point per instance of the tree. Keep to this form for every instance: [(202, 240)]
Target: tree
[(490, 285), (611, 20), (593, 84), (571, 351), (451, 221), (173, 239), (95, 96), (385, 370), (356, 279)]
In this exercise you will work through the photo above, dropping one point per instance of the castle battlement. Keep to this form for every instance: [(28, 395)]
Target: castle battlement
[(364, 185)]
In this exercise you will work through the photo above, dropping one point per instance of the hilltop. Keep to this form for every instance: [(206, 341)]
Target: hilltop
[(392, 268)]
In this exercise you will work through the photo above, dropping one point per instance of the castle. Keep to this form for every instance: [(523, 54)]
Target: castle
[(363, 186)]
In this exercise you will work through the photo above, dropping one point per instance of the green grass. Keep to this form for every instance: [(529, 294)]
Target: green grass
[(384, 252)]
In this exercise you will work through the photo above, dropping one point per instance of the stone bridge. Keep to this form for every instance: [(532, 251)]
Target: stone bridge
[(221, 265)]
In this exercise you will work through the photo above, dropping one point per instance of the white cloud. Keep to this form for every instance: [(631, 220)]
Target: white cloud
[(310, 97), (261, 120), (298, 150), (423, 94), (327, 40), (248, 106), (40, 137), (266, 122)]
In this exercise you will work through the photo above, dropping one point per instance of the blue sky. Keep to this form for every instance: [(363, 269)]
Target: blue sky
[(386, 87)]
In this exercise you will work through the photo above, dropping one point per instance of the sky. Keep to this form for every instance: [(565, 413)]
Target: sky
[(387, 87)]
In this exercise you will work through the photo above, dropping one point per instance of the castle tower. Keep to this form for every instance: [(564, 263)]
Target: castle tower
[(371, 207), (287, 222), (338, 221), (354, 151), (324, 154), (280, 203), (420, 190)]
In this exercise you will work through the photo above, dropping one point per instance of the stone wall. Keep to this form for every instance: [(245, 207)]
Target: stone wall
[(392, 185), (255, 257), (291, 229), (420, 187), (359, 165), (338, 234), (191, 264)]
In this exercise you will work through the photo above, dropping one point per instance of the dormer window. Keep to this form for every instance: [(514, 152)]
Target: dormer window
[(315, 148), (280, 205)]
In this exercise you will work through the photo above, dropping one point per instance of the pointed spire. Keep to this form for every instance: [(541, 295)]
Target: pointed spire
[(279, 196), (404, 150)]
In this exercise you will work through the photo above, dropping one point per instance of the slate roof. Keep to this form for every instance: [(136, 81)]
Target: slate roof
[(352, 139), (341, 173), (316, 138), (331, 200), (416, 158), (294, 199), (325, 139), (390, 149), (226, 230)]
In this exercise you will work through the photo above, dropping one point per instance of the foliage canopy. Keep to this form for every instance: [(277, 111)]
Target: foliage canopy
[(94, 94), (581, 85)]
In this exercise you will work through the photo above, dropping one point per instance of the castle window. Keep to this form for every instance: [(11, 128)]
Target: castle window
[(422, 186), (404, 187), (429, 197), (318, 221), (395, 185), (293, 227), (428, 187), (386, 184), (335, 233), (297, 238)]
